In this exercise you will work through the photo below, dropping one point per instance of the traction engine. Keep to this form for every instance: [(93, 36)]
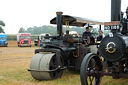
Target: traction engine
[(112, 59)]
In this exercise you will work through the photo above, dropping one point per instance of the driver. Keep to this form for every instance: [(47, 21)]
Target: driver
[(86, 35), (87, 32)]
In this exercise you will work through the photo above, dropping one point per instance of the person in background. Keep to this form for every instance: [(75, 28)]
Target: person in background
[(101, 35)]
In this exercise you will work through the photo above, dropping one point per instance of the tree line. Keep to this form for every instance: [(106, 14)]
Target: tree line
[(49, 29)]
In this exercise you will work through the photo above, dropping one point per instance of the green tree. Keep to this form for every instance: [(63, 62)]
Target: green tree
[(30, 30), (52, 29), (2, 24), (21, 30)]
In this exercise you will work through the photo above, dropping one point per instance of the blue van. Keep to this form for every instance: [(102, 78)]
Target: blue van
[(3, 40)]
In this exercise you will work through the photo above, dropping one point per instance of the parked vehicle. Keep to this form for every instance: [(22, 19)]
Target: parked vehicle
[(36, 42), (3, 40), (24, 39)]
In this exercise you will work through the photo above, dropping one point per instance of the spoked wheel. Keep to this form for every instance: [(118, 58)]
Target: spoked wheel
[(91, 64), (44, 67)]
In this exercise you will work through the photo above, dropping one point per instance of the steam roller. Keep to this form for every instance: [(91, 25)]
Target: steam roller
[(44, 66), (61, 51)]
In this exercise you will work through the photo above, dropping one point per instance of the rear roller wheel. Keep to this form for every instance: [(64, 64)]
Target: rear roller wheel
[(43, 67), (91, 64)]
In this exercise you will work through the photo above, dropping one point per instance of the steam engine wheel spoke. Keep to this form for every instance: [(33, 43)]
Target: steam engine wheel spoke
[(90, 65)]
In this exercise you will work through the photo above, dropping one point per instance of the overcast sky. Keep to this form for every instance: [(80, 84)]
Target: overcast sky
[(29, 13)]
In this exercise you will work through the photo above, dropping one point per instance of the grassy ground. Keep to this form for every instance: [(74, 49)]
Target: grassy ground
[(14, 62)]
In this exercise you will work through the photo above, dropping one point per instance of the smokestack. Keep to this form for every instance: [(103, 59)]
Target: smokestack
[(115, 10), (59, 22), (127, 12)]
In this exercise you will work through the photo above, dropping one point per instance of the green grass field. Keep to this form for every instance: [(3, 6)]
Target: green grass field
[(14, 62)]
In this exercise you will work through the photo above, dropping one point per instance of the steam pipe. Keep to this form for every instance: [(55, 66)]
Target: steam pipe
[(59, 22), (115, 10)]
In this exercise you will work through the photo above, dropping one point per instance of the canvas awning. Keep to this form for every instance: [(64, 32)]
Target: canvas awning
[(76, 21)]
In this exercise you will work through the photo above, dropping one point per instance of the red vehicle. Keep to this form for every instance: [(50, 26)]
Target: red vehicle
[(24, 39)]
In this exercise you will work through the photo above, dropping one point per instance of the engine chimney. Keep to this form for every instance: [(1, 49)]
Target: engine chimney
[(115, 10), (127, 12), (59, 22)]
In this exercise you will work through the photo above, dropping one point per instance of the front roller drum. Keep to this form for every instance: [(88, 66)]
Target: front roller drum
[(44, 66)]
